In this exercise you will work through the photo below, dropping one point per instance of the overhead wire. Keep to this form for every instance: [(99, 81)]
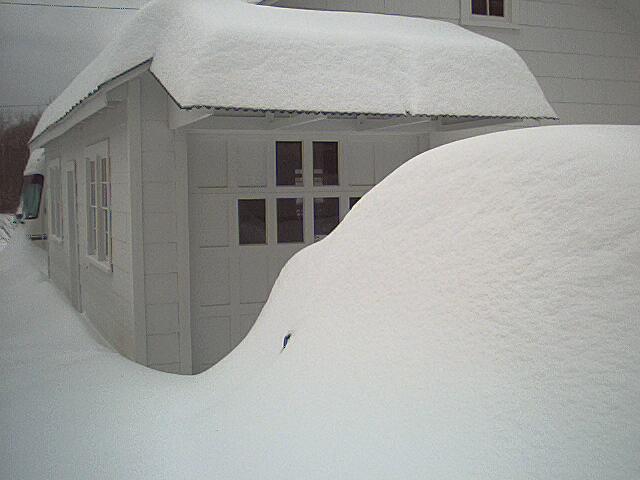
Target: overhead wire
[(62, 5)]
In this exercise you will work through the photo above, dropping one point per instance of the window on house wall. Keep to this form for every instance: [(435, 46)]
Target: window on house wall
[(252, 222), (290, 220), (289, 164), (494, 8), (105, 208), (325, 163), (353, 201), (99, 216), (490, 13), (92, 212), (326, 216)]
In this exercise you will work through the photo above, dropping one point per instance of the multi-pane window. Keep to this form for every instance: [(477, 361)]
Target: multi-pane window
[(55, 188), (493, 8), (325, 163), (290, 220), (326, 216), (289, 164), (99, 204), (322, 160), (252, 222)]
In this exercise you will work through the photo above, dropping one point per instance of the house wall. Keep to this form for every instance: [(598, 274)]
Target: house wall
[(231, 282), (584, 53), (167, 347), (105, 296)]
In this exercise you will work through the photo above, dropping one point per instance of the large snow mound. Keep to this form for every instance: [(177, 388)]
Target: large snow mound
[(476, 315), (233, 54)]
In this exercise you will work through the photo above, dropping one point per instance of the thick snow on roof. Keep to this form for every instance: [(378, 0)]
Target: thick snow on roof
[(229, 53), (474, 316)]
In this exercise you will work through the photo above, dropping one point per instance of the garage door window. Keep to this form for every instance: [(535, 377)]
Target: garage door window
[(326, 216), (289, 164), (251, 222), (325, 163), (290, 220)]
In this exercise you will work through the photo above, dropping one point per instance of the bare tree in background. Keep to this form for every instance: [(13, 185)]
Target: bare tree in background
[(14, 153)]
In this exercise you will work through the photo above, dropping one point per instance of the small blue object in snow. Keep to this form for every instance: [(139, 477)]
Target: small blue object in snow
[(286, 340)]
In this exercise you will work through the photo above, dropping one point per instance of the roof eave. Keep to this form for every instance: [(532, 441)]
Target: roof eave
[(88, 106)]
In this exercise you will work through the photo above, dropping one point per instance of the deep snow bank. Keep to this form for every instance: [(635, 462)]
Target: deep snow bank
[(477, 315)]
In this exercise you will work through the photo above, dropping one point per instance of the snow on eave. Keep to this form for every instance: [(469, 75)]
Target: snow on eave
[(84, 101), (238, 55)]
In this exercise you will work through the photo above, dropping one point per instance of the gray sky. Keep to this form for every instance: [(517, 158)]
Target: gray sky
[(43, 48)]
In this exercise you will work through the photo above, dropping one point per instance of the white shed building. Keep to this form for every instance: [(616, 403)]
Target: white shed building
[(212, 140)]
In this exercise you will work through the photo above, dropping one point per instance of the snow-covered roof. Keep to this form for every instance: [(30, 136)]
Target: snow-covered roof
[(234, 54)]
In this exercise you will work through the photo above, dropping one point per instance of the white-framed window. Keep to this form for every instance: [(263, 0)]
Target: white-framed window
[(252, 221), (98, 181), (55, 194), (490, 13), (290, 218), (325, 164), (92, 206), (289, 164)]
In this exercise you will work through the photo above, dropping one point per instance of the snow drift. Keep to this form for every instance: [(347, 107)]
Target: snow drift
[(476, 315), (232, 54)]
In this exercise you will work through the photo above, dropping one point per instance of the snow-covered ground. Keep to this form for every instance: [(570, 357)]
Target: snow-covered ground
[(477, 315)]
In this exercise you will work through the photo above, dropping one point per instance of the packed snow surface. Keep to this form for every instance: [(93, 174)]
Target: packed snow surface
[(233, 54), (475, 316)]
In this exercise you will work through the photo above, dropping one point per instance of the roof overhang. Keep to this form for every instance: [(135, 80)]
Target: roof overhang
[(104, 96)]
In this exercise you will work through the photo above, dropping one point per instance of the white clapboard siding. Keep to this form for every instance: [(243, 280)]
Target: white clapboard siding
[(105, 295)]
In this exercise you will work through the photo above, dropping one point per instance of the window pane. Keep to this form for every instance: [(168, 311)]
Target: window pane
[(92, 232), (353, 201), (92, 194), (290, 220), (325, 163), (289, 163), (92, 171), (251, 222), (104, 170), (496, 8), (479, 7), (104, 188), (326, 216), (104, 246)]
